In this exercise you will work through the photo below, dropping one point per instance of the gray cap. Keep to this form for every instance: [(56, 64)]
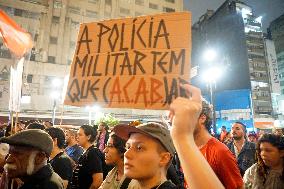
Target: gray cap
[(34, 138), (152, 129)]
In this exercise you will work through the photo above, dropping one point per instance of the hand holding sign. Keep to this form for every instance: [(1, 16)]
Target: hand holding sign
[(184, 112)]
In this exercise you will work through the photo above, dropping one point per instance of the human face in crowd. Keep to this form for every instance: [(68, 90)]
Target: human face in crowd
[(101, 127), (68, 136), (252, 138), (4, 150), (83, 139), (271, 156), (237, 131), (19, 127), (20, 161), (141, 159), (278, 132), (112, 156), (199, 125)]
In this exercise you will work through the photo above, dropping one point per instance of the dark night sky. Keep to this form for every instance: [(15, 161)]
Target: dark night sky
[(268, 9)]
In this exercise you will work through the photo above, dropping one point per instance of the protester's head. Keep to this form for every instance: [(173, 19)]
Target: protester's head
[(47, 124), (35, 125), (223, 128), (205, 118), (114, 150), (4, 150), (238, 130), (103, 127), (278, 131), (252, 137), (8, 130), (70, 136), (28, 152), (19, 126), (149, 150), (270, 153), (86, 135), (57, 136)]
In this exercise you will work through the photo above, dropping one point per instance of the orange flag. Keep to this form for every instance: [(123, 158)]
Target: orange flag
[(15, 38)]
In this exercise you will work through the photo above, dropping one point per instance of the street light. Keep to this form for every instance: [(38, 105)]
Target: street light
[(209, 55), (210, 76), (91, 109), (54, 95), (56, 83)]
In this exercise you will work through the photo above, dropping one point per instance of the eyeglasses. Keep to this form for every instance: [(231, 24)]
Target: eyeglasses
[(110, 145)]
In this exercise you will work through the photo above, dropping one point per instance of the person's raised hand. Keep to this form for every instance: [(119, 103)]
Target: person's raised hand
[(184, 112)]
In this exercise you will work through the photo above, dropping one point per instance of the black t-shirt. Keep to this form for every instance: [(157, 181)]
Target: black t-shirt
[(88, 164), (62, 165), (166, 185)]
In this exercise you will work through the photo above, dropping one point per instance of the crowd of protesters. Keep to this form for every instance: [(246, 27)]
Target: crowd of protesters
[(142, 155)]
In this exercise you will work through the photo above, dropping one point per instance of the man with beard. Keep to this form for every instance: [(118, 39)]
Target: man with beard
[(219, 157), (241, 147), (27, 160), (73, 150)]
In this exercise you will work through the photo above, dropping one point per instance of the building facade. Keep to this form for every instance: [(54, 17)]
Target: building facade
[(235, 34), (276, 34), (276, 31), (54, 26), (274, 75)]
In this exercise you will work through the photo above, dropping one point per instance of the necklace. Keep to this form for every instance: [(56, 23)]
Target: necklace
[(160, 184)]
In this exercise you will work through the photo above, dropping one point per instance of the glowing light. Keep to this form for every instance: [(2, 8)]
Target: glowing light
[(212, 74), (258, 19), (245, 13), (56, 82), (55, 94), (209, 55)]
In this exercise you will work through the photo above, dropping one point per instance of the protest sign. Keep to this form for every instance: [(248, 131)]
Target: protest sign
[(132, 62)]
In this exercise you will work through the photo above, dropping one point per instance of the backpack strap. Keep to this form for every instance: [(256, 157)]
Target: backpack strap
[(125, 183)]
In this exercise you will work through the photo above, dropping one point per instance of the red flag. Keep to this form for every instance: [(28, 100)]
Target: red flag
[(15, 38)]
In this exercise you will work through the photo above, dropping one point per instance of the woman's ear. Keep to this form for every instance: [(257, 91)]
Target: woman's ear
[(165, 158), (89, 137)]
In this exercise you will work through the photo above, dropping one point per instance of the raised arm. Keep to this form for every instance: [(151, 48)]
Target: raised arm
[(184, 114)]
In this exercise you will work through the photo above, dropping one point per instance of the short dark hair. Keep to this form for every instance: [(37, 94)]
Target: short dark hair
[(105, 125), (118, 143), (276, 141), (57, 133), (35, 126), (207, 111), (243, 125), (73, 132), (48, 122), (90, 131)]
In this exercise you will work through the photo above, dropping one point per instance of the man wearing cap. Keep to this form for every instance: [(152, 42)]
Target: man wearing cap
[(27, 160), (149, 151)]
